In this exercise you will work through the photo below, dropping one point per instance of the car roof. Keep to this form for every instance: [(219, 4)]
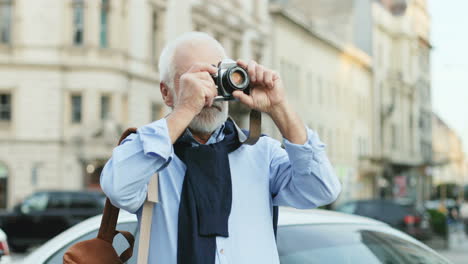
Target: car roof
[(61, 191), (292, 216)]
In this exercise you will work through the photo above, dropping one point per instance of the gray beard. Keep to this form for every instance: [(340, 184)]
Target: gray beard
[(209, 119)]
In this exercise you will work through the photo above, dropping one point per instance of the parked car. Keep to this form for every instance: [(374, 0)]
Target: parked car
[(304, 237), (45, 214), (5, 257), (402, 216)]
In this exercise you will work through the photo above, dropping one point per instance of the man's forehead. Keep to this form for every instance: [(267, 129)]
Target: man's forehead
[(188, 55)]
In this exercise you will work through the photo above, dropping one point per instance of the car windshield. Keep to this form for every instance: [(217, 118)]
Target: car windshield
[(311, 244), (35, 203)]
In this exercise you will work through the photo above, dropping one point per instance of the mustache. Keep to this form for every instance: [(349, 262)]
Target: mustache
[(216, 105)]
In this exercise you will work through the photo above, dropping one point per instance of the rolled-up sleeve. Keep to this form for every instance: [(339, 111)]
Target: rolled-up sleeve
[(126, 175), (301, 176)]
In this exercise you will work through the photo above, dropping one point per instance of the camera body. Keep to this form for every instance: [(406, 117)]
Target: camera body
[(229, 78)]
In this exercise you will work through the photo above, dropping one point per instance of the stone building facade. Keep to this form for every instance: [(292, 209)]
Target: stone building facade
[(402, 102), (329, 82), (448, 154), (75, 73)]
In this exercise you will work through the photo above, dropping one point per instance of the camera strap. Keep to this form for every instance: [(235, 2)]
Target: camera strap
[(255, 127)]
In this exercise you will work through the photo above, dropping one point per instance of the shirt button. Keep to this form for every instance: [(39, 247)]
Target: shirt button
[(221, 251)]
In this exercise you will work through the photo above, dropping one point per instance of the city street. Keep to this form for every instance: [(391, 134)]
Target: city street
[(458, 252)]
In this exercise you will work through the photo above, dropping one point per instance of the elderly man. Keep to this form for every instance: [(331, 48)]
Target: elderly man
[(217, 195)]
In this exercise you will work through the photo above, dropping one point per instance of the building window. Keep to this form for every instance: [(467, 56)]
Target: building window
[(104, 35), (76, 108), (5, 107), (154, 38), (156, 111), (105, 107), (5, 21), (78, 22)]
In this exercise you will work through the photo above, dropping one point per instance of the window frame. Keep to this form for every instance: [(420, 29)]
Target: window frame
[(104, 24), (9, 105), (72, 108), (78, 25), (105, 115), (154, 34), (7, 5)]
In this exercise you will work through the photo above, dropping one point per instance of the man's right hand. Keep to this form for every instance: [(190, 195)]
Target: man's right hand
[(196, 89)]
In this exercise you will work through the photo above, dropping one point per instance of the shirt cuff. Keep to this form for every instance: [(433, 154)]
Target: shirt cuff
[(155, 140), (300, 155)]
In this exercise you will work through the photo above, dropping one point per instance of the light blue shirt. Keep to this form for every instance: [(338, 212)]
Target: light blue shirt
[(298, 175)]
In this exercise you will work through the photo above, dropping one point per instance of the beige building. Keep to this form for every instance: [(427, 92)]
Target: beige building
[(402, 102), (395, 34), (448, 154), (75, 73), (330, 83)]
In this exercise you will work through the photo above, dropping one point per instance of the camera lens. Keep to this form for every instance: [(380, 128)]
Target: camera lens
[(237, 78)]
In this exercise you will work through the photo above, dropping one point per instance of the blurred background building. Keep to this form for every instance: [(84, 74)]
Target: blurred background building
[(75, 73), (330, 82), (448, 153)]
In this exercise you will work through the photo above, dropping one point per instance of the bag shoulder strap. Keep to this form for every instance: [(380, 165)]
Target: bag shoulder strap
[(146, 219), (111, 213)]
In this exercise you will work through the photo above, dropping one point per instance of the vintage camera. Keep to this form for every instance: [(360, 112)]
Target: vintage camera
[(229, 78)]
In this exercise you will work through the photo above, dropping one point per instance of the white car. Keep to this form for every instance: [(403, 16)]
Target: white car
[(5, 257), (304, 237)]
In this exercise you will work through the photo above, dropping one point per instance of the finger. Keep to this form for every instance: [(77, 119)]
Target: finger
[(204, 76), (203, 67), (212, 89), (260, 71), (210, 93), (268, 79), (276, 76), (251, 70), (243, 98), (242, 63)]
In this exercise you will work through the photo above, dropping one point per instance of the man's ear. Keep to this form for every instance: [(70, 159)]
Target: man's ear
[(166, 94)]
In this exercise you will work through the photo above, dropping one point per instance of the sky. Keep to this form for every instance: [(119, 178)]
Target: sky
[(449, 37)]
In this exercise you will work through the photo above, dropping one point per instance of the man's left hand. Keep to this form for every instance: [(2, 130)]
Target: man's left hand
[(267, 95), (266, 88)]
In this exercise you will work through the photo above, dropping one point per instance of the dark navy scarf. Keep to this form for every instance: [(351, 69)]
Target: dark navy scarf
[(205, 202), (206, 198)]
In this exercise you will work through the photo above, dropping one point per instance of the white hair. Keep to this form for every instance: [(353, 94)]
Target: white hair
[(167, 67)]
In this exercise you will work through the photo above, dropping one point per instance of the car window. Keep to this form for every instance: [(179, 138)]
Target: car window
[(83, 201), (35, 203), (58, 201), (310, 244), (120, 244), (369, 208), (348, 208)]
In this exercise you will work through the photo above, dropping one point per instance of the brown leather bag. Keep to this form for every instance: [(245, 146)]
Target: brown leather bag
[(100, 250)]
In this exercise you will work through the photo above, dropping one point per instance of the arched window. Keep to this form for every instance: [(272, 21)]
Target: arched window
[(3, 185)]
